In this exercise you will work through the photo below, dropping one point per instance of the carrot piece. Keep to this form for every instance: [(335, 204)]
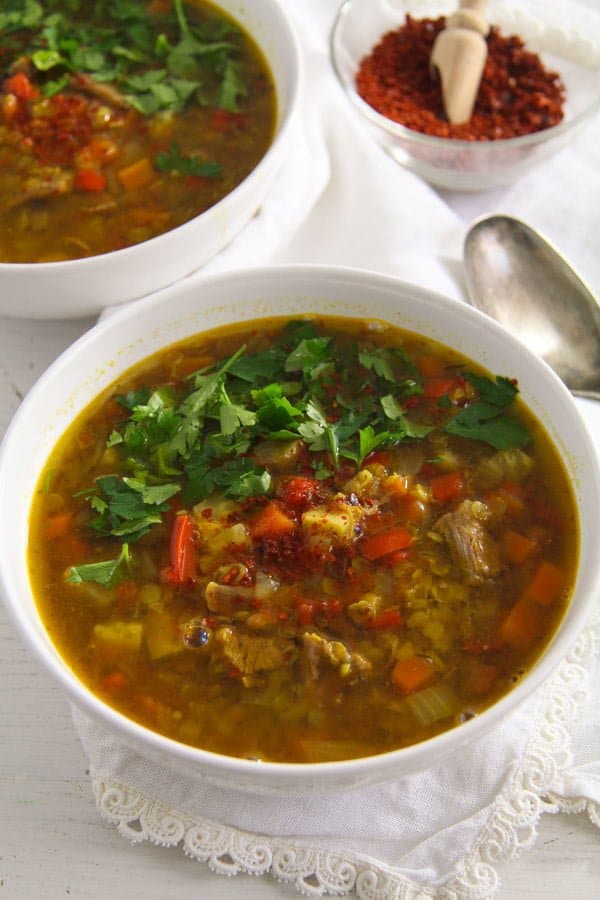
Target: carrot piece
[(20, 85), (114, 682), (517, 547), (387, 542), (522, 625), (431, 366), (90, 180), (58, 524), (480, 677), (437, 387), (272, 522), (411, 674), (389, 618), (447, 487), (546, 585), (183, 551), (137, 175)]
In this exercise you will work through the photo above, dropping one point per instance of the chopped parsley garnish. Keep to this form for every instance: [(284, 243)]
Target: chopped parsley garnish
[(173, 161), (107, 573), (485, 418), (156, 61), (342, 401)]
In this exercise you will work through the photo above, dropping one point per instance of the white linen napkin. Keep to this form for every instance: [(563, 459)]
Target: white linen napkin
[(340, 199)]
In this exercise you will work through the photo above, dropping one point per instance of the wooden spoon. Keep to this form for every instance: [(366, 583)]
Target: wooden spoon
[(459, 54)]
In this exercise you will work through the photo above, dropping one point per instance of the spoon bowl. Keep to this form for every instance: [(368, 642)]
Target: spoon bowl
[(517, 277)]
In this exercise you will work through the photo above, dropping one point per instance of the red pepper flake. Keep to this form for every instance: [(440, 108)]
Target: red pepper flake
[(59, 135), (517, 95)]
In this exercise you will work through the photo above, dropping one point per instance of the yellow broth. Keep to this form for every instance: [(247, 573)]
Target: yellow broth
[(364, 594), (129, 141)]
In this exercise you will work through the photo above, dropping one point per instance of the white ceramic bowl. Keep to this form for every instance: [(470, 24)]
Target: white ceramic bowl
[(83, 287), (564, 33), (184, 309)]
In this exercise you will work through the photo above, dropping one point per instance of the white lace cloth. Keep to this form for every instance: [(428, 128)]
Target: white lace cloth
[(438, 833)]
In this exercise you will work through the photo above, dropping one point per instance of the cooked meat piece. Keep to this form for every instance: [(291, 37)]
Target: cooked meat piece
[(472, 546), (104, 92), (351, 666), (252, 654)]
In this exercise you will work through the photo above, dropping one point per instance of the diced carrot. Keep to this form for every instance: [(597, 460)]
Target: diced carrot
[(522, 626), (516, 547), (58, 524), (431, 366), (20, 85), (447, 487), (388, 618), (434, 388), (114, 682), (137, 175), (90, 180), (411, 674), (387, 542), (272, 522), (547, 583), (480, 677)]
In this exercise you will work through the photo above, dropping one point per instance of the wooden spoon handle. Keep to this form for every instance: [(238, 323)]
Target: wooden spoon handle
[(459, 54)]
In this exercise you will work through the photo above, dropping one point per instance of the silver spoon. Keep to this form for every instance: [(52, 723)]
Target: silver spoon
[(515, 276)]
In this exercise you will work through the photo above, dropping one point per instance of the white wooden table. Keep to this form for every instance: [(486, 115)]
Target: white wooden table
[(53, 843)]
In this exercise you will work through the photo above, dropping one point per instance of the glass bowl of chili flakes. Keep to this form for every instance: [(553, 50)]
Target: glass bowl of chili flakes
[(541, 85)]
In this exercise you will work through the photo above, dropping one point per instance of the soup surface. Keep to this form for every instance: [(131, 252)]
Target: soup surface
[(120, 120), (303, 541)]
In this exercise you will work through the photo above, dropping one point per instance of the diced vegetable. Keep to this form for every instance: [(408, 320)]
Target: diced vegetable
[(547, 583), (137, 175), (447, 487), (272, 522), (118, 637), (409, 675), (517, 547), (432, 704), (379, 545), (90, 180), (523, 625), (161, 634)]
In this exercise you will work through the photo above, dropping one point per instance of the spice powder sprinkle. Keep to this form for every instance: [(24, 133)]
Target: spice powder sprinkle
[(517, 95)]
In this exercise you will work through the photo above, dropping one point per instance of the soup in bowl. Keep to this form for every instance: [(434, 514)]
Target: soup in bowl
[(300, 526), (136, 140)]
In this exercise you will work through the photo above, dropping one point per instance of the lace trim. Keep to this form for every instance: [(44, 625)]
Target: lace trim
[(511, 827)]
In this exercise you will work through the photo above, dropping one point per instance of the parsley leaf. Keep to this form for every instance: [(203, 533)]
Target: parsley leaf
[(484, 419), (108, 573), (173, 161)]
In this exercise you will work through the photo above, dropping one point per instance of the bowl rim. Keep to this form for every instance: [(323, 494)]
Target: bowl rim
[(428, 140), (283, 126), (266, 775)]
